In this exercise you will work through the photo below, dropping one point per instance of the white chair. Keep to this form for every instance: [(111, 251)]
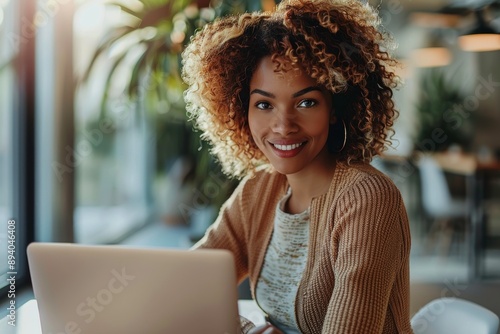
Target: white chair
[(454, 315), (436, 197), (437, 201)]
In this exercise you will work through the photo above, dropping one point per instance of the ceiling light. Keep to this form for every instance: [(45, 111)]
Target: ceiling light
[(482, 38), (431, 57), (433, 53), (435, 20)]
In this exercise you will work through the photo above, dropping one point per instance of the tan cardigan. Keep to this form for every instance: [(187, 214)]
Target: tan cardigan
[(356, 278)]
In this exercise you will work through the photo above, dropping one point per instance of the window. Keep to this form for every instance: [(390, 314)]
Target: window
[(6, 134), (16, 142), (111, 147)]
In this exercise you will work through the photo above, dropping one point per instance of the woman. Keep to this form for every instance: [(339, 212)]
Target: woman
[(298, 102)]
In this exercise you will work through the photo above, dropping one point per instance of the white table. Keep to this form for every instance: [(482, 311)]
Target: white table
[(28, 321)]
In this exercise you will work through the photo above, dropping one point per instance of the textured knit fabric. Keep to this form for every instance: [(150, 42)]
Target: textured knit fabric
[(356, 278), (283, 266)]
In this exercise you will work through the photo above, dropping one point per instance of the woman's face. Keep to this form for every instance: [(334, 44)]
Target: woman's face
[(289, 116)]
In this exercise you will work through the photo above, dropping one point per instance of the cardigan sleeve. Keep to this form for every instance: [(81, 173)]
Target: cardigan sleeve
[(368, 247), (228, 231)]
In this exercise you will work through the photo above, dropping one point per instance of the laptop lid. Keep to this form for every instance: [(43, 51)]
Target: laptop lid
[(94, 289)]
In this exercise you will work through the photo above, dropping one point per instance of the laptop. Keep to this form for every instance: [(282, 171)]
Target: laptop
[(116, 289)]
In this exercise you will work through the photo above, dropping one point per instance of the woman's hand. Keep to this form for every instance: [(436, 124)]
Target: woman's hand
[(265, 329)]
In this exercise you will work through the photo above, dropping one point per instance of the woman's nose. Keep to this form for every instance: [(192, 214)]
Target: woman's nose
[(284, 123)]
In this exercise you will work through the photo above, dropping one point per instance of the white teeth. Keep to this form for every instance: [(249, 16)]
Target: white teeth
[(287, 147)]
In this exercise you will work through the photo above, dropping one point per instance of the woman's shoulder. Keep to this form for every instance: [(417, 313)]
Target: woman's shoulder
[(364, 175)]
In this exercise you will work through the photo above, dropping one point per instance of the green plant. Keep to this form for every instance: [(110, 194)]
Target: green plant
[(146, 50), (437, 107)]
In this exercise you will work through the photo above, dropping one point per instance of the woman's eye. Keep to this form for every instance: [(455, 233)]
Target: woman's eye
[(263, 105), (307, 103)]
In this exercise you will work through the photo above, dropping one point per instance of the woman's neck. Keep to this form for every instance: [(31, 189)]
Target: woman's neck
[(307, 186)]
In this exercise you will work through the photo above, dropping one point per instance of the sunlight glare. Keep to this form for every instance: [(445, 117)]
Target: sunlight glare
[(89, 16)]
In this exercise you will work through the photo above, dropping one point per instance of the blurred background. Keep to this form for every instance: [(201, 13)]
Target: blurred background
[(96, 147)]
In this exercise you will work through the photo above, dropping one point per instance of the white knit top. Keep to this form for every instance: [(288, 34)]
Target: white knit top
[(284, 264)]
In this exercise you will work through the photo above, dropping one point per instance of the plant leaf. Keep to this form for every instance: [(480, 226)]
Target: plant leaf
[(104, 46)]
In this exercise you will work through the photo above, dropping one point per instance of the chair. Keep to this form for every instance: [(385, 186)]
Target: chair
[(454, 315), (437, 201)]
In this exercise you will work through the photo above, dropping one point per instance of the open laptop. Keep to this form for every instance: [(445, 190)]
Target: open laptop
[(116, 289)]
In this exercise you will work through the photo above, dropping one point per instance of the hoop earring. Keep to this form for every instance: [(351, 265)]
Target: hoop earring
[(333, 143), (345, 137)]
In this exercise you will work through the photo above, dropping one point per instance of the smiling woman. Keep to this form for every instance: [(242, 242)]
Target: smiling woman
[(297, 102), (289, 117)]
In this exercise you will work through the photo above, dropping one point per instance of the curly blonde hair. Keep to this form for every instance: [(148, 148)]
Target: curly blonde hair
[(337, 42)]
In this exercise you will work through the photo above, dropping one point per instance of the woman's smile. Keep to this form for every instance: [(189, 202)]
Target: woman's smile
[(288, 150)]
